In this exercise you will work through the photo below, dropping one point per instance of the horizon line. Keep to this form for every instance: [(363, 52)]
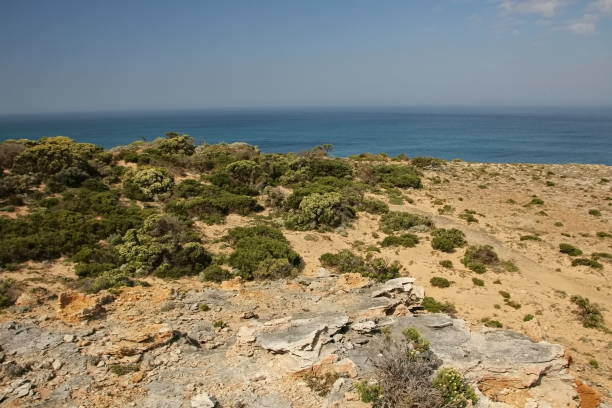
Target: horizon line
[(308, 107)]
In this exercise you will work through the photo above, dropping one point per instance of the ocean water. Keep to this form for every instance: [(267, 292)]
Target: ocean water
[(486, 135)]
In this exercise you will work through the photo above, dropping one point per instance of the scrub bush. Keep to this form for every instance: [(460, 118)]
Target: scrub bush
[(217, 156), (589, 313), (329, 168), (404, 240), (447, 240), (389, 175), (163, 246), (210, 203), (477, 258), (347, 262), (439, 282), (8, 293), (50, 155), (569, 250), (214, 273), (262, 252), (148, 184), (320, 211), (373, 206), (177, 144), (433, 306), (587, 262), (427, 162), (455, 391), (402, 221)]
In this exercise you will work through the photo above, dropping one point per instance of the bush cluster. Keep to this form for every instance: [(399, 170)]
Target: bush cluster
[(209, 203), (569, 250), (346, 261), (590, 314), (320, 211), (405, 240), (262, 252), (407, 376), (403, 221), (446, 240), (477, 258), (148, 184), (390, 175)]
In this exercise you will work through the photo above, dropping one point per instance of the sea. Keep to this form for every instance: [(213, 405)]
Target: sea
[(504, 135)]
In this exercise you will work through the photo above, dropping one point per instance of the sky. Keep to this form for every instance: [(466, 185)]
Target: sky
[(117, 55)]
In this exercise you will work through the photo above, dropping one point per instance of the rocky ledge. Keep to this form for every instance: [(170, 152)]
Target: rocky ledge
[(235, 352)]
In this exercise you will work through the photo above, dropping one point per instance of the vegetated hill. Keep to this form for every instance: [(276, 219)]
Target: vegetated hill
[(244, 276)]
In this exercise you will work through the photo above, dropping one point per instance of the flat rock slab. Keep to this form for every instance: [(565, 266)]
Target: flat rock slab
[(299, 335)]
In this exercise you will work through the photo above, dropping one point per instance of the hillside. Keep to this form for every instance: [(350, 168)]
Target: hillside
[(165, 273)]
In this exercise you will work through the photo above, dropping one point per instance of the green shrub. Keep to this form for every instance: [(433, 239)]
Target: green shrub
[(427, 162), (404, 240), (50, 155), (530, 238), (8, 294), (217, 156), (589, 313), (433, 306), (321, 384), (373, 206), (214, 273), (439, 282), (176, 144), (147, 184), (9, 150), (347, 262), (447, 240), (390, 175), (329, 167), (402, 221), (164, 246), (245, 177), (454, 389), (528, 317), (320, 211), (477, 258), (258, 252), (369, 392), (595, 213), (477, 282), (587, 262), (603, 234), (569, 250), (536, 201), (210, 203), (446, 263), (419, 343), (492, 323)]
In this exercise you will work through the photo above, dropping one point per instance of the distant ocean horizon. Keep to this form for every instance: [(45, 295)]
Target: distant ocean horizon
[(504, 135)]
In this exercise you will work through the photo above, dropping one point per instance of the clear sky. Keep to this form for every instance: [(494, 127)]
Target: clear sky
[(81, 55)]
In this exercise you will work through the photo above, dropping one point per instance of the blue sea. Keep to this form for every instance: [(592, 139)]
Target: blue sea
[(484, 135)]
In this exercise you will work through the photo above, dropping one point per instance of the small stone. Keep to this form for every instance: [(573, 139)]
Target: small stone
[(249, 315), (23, 390), (203, 400), (56, 365), (68, 338)]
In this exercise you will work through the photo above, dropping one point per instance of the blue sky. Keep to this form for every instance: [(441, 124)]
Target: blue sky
[(75, 55)]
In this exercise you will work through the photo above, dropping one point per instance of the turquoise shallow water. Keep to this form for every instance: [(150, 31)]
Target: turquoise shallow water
[(532, 136)]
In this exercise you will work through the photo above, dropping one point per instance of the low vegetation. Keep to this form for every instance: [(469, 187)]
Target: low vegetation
[(446, 240), (407, 374), (346, 261)]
